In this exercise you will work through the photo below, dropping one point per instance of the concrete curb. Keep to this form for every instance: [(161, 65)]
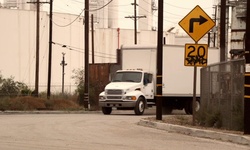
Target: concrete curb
[(226, 137)]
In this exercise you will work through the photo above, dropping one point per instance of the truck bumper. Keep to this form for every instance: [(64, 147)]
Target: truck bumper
[(117, 104)]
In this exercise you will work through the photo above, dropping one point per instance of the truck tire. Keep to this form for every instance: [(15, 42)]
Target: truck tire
[(189, 107), (198, 105), (140, 106), (106, 110)]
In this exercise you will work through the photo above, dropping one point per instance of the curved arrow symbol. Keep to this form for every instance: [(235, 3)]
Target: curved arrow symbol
[(201, 20)]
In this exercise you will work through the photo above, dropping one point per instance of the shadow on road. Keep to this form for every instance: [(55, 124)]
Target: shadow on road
[(148, 112)]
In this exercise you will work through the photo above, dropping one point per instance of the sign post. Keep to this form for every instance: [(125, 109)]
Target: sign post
[(196, 24), (247, 75)]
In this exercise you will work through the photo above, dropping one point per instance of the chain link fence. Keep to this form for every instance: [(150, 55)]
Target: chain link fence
[(222, 95)]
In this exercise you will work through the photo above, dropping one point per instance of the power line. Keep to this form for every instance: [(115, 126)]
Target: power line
[(57, 24), (70, 22), (81, 14), (176, 6), (80, 50)]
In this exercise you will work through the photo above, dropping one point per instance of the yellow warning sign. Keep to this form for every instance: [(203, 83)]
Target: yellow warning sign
[(196, 55), (196, 23)]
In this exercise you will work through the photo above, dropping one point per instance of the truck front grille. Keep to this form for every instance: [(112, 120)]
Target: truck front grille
[(114, 92), (114, 97)]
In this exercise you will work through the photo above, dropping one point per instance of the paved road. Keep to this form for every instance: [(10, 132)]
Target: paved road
[(96, 131)]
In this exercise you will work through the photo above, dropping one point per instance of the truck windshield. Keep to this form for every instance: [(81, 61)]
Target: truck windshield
[(127, 77)]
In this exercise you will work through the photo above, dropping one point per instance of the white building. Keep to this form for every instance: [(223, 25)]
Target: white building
[(10, 3), (18, 43), (20, 4), (18, 46)]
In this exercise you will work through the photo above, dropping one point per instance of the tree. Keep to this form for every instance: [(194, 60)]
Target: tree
[(11, 88), (94, 88), (79, 81)]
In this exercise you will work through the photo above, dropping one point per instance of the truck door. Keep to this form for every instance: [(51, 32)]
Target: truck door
[(148, 86)]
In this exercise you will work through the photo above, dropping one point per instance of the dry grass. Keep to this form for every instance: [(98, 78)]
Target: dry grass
[(33, 103)]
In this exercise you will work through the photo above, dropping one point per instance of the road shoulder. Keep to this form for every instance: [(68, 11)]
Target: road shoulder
[(201, 133)]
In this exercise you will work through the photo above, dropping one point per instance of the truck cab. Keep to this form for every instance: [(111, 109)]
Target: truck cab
[(128, 90)]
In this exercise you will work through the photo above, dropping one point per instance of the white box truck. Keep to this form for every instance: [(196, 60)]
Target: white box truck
[(134, 87)]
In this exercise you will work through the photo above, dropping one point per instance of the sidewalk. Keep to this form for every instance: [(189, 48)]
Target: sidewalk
[(226, 137)]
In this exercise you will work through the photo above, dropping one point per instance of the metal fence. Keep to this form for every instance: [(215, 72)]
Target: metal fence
[(222, 95)]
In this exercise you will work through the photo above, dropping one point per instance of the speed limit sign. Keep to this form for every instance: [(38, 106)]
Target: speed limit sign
[(196, 55)]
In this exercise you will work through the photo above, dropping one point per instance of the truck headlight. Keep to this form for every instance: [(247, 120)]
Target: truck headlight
[(102, 98), (131, 97)]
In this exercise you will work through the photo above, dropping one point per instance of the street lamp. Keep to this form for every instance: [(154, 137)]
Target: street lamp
[(63, 64)]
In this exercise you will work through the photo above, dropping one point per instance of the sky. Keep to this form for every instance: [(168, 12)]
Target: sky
[(174, 10)]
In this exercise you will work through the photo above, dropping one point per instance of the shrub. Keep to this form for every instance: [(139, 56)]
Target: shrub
[(4, 103), (11, 88)]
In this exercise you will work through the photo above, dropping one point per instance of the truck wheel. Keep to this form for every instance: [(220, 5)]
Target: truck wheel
[(140, 106), (189, 107), (197, 106), (106, 110)]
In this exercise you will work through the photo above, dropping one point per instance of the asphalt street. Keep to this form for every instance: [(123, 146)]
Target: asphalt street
[(73, 131)]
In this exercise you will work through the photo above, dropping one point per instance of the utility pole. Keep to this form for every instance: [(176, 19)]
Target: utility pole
[(50, 49), (63, 64), (159, 62), (37, 45), (135, 20), (86, 33), (135, 24), (215, 20), (92, 36), (223, 31), (247, 74)]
